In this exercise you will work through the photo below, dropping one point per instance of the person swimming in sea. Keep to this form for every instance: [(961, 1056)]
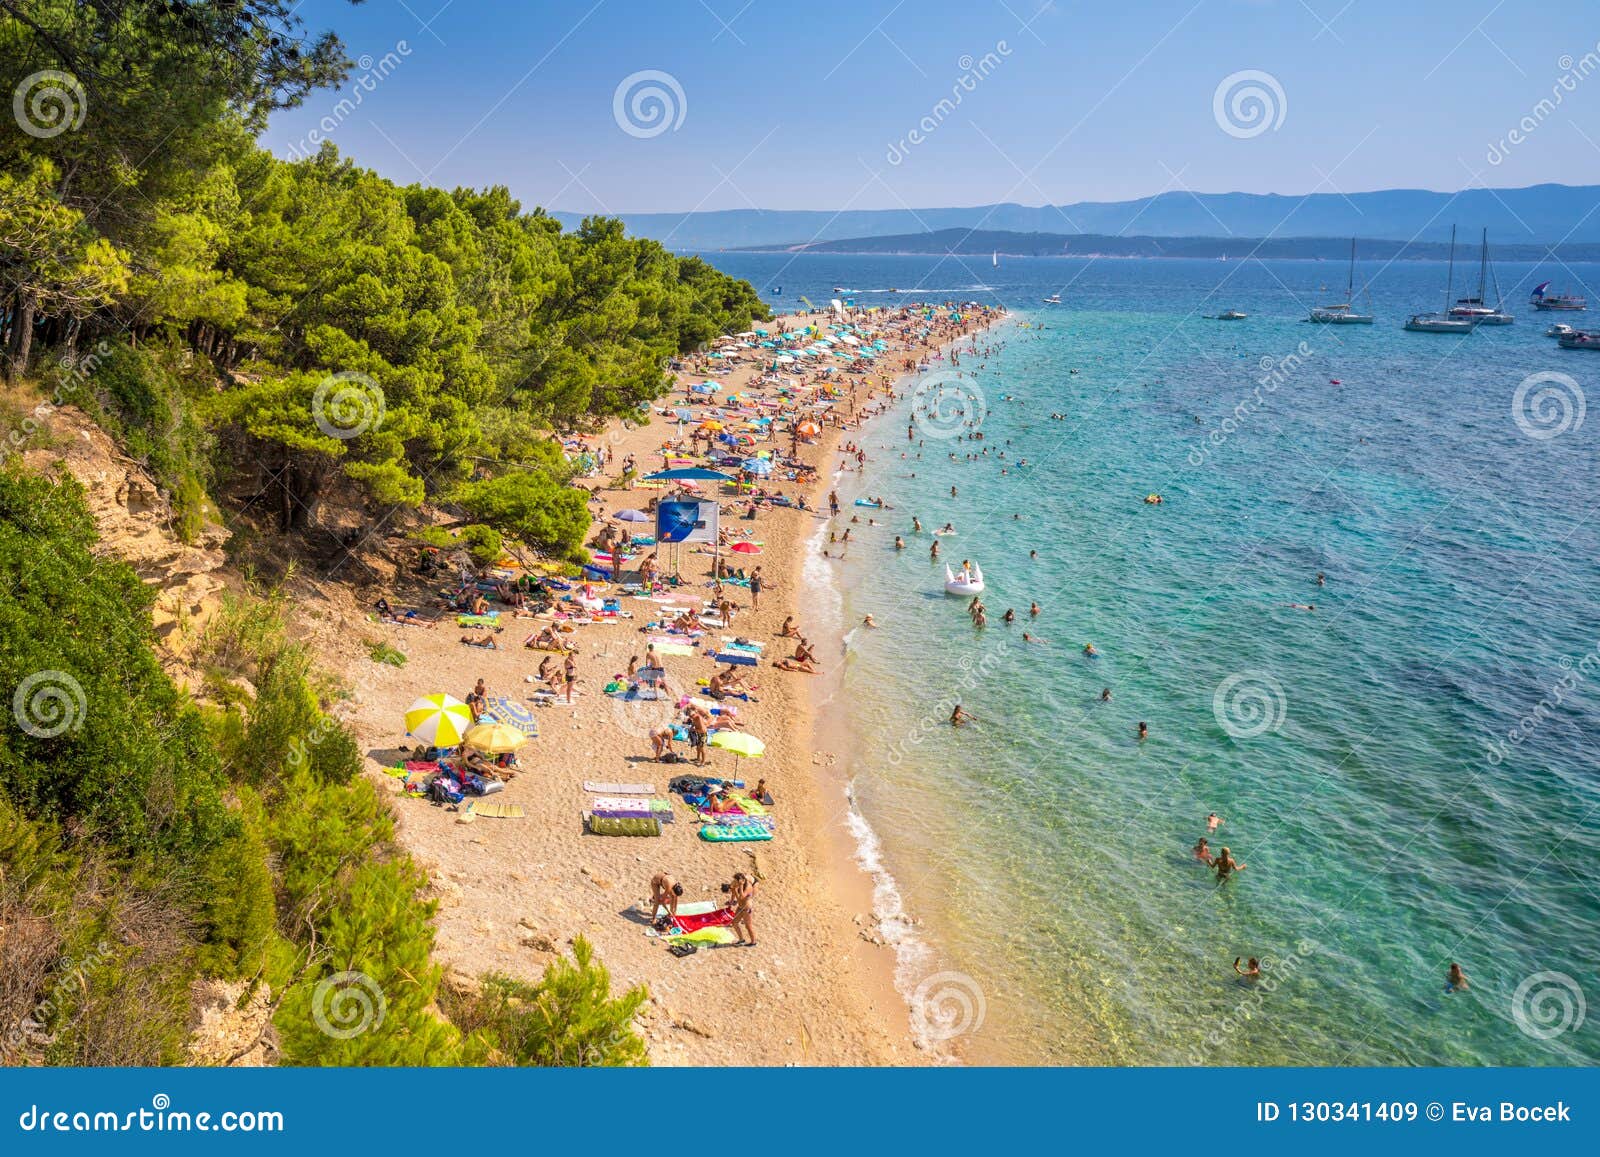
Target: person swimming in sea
[(899, 543), (1455, 980), (1202, 852), (960, 716), (1144, 731), (916, 525), (1302, 606), (1088, 650), (1251, 970), (1213, 822), (1226, 866), (1009, 617), (1033, 609), (1105, 695), (933, 551)]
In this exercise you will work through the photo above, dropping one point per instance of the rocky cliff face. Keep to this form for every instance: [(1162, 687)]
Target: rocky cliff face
[(135, 522)]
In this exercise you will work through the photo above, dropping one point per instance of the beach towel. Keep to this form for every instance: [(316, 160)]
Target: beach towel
[(693, 923), (618, 788), (737, 658), (490, 620), (714, 935), (620, 805), (729, 643), (676, 650), (624, 826)]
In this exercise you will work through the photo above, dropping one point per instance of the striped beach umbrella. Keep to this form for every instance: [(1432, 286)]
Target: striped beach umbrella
[(438, 720), (504, 709)]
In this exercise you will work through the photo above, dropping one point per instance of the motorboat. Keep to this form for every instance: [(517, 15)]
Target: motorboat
[(1232, 315), (1343, 312), (964, 581), (1560, 329), (1053, 299), (1579, 340)]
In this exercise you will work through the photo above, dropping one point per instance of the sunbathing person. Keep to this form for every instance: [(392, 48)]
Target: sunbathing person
[(789, 631), (486, 641)]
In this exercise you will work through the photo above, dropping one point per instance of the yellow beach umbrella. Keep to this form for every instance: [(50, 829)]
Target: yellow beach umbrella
[(495, 738), (438, 720), (739, 742)]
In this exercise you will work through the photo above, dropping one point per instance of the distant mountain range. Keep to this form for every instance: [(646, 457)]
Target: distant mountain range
[(981, 243), (1539, 214)]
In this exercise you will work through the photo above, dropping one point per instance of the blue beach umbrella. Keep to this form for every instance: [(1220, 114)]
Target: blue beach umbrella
[(504, 709), (758, 466), (690, 473)]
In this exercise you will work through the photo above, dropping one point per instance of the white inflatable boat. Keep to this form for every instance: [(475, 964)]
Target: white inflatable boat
[(963, 582)]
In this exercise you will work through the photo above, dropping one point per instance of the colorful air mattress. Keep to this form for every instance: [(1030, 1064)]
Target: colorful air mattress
[(734, 833)]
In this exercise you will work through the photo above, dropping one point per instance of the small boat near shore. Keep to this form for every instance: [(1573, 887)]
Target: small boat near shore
[(1560, 329), (963, 582), (1579, 340)]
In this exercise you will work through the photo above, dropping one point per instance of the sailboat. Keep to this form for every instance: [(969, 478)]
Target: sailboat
[(1442, 322), (1475, 309), (1343, 313)]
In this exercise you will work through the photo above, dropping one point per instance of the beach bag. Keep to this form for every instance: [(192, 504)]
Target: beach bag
[(444, 790)]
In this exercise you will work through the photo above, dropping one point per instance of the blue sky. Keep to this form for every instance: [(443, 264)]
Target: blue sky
[(808, 105)]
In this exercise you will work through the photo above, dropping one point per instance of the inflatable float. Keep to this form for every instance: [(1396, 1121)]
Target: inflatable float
[(963, 582)]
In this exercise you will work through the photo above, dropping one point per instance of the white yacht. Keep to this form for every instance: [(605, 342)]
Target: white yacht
[(1476, 309), (1442, 322), (1343, 313)]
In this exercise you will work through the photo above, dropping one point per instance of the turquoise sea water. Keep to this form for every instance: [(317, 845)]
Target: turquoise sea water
[(1043, 852)]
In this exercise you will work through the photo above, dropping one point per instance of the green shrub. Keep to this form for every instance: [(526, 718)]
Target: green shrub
[(569, 1018)]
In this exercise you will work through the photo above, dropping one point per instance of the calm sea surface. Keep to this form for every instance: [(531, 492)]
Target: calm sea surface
[(1410, 772)]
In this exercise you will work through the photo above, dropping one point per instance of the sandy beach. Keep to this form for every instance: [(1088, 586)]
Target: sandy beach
[(818, 988)]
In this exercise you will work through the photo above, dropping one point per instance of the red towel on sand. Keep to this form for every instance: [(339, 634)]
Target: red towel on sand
[(709, 920)]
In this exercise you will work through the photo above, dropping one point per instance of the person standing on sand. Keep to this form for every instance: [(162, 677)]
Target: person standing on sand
[(664, 893), (755, 589), (741, 898), (569, 674)]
